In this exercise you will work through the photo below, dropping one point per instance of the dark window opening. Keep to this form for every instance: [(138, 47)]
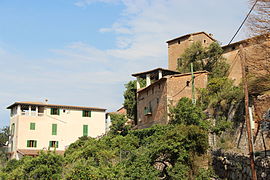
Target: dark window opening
[(86, 114), (187, 83), (55, 111), (31, 143), (53, 144), (178, 41), (204, 41)]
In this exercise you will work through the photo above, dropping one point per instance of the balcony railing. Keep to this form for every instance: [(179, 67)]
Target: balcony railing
[(31, 114)]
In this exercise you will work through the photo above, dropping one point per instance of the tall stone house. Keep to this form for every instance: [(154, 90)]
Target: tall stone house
[(37, 126), (165, 87)]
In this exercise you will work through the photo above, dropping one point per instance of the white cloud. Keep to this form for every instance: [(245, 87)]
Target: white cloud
[(83, 3), (81, 74)]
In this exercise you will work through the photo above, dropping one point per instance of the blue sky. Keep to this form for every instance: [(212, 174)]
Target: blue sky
[(82, 52)]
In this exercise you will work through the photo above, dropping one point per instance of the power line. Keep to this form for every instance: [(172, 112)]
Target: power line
[(243, 22)]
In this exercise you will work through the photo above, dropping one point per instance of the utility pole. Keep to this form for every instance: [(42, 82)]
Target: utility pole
[(192, 82), (245, 87)]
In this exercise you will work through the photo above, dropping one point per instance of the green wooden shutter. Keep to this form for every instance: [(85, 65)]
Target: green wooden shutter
[(28, 143), (83, 113), (89, 114), (54, 129), (85, 130), (56, 144), (32, 126), (58, 111), (51, 111), (35, 144), (50, 143)]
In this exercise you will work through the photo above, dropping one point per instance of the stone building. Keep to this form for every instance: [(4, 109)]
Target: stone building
[(258, 63), (257, 53), (164, 88), (177, 46)]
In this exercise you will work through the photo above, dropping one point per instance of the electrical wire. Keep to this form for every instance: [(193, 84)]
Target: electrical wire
[(243, 22)]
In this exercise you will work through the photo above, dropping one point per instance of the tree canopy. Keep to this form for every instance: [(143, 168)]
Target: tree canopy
[(204, 58)]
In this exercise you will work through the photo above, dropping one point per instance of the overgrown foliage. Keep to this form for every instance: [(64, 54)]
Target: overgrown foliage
[(159, 152), (204, 58), (259, 85), (3, 148), (47, 165), (119, 126), (259, 20), (130, 99)]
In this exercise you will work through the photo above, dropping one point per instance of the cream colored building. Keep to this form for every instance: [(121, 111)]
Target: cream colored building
[(36, 126)]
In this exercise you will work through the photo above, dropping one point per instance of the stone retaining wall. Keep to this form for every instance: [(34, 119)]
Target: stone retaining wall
[(237, 166)]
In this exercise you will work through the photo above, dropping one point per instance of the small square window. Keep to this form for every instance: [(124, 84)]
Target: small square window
[(32, 126), (31, 143), (55, 111), (86, 113), (53, 144)]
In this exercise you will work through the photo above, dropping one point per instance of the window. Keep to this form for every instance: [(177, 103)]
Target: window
[(204, 41), (179, 62), (32, 126), (157, 100), (55, 111), (85, 130), (53, 144), (12, 130), (187, 83), (148, 110), (178, 41), (54, 129), (31, 143), (86, 113)]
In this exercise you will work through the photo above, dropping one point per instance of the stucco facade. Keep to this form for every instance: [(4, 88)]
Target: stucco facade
[(37, 126)]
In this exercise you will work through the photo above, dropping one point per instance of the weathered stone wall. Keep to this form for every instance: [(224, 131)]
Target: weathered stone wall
[(237, 166), (180, 86), (156, 95), (162, 93), (177, 48)]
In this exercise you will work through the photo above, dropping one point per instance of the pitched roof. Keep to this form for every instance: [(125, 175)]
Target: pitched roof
[(55, 105), (191, 34), (164, 72), (248, 40), (169, 76)]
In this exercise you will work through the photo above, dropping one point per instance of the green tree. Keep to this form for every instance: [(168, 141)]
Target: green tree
[(130, 99), (204, 58), (48, 165), (4, 136), (185, 112), (119, 126)]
